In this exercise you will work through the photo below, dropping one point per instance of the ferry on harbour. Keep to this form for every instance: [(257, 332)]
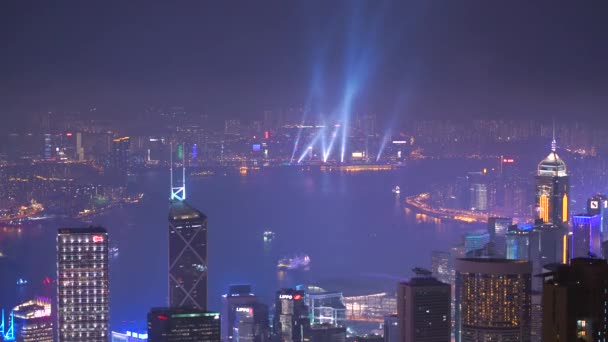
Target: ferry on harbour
[(297, 262)]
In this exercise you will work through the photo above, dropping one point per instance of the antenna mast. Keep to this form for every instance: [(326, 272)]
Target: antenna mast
[(178, 192)]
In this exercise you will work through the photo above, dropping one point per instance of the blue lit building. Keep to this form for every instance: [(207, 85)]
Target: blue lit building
[(518, 242), (475, 241), (598, 205), (586, 235)]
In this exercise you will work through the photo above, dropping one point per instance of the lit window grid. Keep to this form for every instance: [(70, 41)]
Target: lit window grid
[(82, 287)]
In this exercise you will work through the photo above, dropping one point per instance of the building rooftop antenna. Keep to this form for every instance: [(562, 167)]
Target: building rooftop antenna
[(178, 192)]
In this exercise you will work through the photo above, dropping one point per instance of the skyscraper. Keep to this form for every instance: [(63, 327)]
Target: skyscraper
[(291, 321), (33, 321), (187, 256), (243, 317), (475, 241), (183, 324), (552, 189), (119, 156), (327, 308), (423, 308), (518, 242), (82, 285), (493, 300), (187, 249), (575, 301), (598, 205), (442, 266), (586, 235), (497, 228)]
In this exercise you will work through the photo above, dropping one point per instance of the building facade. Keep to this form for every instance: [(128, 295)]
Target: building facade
[(291, 322), (243, 317), (493, 300), (586, 236), (183, 325), (187, 256), (33, 321), (575, 302), (552, 189), (82, 285), (424, 310)]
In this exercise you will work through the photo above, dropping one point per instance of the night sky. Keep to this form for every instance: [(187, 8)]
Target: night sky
[(236, 58)]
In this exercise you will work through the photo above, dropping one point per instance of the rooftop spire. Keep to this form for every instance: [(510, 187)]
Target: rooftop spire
[(553, 142)]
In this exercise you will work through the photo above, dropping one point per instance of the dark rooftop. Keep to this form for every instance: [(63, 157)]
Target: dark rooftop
[(180, 210)]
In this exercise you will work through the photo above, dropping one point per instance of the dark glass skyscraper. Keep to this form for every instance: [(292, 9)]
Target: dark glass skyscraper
[(243, 317), (187, 256), (183, 325), (82, 285), (424, 310)]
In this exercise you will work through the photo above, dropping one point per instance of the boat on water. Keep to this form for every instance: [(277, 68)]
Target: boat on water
[(297, 262), (269, 236), (21, 282), (113, 252), (397, 190)]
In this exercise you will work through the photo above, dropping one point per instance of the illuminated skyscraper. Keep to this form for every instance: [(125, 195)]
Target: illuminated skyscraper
[(478, 191), (423, 308), (475, 241), (442, 266), (291, 320), (33, 321), (187, 250), (497, 228), (575, 302), (243, 317), (327, 308), (82, 285), (552, 189), (598, 205), (493, 300), (183, 325), (187, 256), (586, 237)]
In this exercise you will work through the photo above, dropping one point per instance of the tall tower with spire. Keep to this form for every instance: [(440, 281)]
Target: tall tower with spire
[(187, 245), (552, 188)]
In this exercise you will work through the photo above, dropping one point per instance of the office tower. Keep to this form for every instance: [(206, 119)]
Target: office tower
[(129, 336), (243, 317), (492, 300), (327, 308), (518, 242), (442, 266), (48, 147), (497, 228), (119, 156), (475, 241), (391, 328), (33, 321), (478, 191), (424, 309), (82, 285), (183, 324), (187, 256), (291, 321), (552, 189), (598, 205), (575, 301), (586, 237), (326, 333)]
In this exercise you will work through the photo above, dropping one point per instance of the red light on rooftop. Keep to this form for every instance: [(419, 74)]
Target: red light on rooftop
[(97, 238), (297, 297), (68, 134)]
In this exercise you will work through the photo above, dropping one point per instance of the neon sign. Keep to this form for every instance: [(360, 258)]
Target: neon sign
[(97, 238), (285, 296), (508, 160), (244, 309), (297, 297)]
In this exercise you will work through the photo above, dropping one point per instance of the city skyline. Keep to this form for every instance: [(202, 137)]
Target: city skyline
[(320, 171)]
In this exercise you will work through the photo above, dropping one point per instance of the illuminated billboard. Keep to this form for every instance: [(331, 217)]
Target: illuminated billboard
[(256, 147)]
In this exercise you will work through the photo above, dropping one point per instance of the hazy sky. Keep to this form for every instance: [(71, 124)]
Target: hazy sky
[(440, 58)]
